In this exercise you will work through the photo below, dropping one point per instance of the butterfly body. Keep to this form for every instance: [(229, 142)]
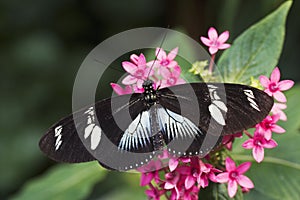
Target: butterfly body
[(126, 131), (150, 96)]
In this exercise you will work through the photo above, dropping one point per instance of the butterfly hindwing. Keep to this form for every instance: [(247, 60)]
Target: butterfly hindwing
[(125, 122)]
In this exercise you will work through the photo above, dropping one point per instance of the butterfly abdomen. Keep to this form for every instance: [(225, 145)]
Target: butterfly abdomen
[(158, 141), (156, 133)]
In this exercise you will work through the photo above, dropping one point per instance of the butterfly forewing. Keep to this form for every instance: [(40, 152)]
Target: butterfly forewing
[(61, 143), (217, 109), (97, 132), (234, 107)]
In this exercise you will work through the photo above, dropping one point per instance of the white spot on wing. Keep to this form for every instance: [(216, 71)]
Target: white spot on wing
[(216, 105), (58, 145), (58, 136), (58, 139), (249, 93), (216, 114), (57, 131), (250, 98), (92, 129), (221, 105), (88, 130), (211, 86), (95, 137)]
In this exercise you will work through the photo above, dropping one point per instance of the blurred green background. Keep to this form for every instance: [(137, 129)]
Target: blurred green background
[(42, 44)]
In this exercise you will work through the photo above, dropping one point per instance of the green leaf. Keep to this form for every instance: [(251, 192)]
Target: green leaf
[(256, 51), (65, 181), (125, 193), (278, 176), (118, 185)]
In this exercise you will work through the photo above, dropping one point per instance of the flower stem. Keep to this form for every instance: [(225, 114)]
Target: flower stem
[(211, 63), (248, 134)]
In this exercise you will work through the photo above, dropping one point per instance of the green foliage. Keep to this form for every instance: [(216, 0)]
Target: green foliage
[(65, 181), (256, 51), (119, 185)]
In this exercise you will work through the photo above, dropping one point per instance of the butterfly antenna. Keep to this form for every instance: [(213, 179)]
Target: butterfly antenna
[(165, 35)]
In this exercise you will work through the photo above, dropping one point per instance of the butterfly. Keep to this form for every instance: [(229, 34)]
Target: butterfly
[(125, 132)]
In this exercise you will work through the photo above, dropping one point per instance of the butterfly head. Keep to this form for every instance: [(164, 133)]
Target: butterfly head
[(148, 85)]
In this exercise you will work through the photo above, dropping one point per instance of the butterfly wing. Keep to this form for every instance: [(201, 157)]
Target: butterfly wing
[(114, 131), (216, 109), (62, 144), (128, 143)]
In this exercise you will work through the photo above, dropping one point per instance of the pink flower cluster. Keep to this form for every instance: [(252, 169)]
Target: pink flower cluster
[(164, 72), (184, 177), (262, 137)]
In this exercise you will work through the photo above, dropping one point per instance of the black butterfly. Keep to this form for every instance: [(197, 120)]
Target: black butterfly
[(125, 132)]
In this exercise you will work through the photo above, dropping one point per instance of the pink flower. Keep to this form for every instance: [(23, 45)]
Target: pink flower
[(164, 155), (274, 86), (137, 89), (229, 139), (147, 177), (174, 161), (171, 77), (172, 178), (234, 176), (207, 172), (177, 182), (119, 90), (164, 60), (150, 172), (192, 173), (277, 110), (257, 144), (268, 125), (154, 193), (215, 42), (189, 194), (137, 69)]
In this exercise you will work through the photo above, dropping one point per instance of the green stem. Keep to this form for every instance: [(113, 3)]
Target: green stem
[(211, 63), (248, 134)]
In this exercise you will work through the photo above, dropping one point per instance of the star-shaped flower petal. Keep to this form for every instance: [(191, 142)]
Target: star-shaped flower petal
[(257, 144), (234, 176), (274, 87), (214, 41)]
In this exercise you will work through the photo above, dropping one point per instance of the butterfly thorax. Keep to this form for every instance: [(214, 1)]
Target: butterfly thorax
[(149, 93)]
